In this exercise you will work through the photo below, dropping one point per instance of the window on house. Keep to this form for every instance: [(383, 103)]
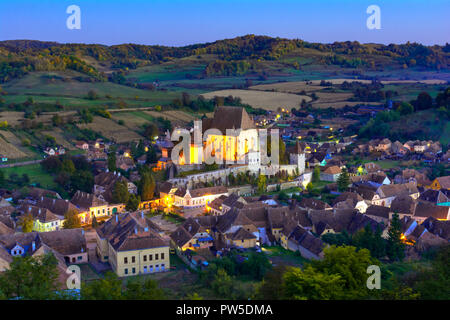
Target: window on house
[(125, 260), (162, 256), (126, 271), (134, 270), (156, 256), (145, 258), (150, 257), (133, 259)]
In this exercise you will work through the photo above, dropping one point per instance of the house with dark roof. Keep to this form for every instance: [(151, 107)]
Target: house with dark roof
[(193, 234), (132, 245), (44, 219), (303, 241), (426, 210), (68, 246)]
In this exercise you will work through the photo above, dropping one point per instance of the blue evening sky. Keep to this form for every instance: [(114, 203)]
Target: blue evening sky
[(181, 22)]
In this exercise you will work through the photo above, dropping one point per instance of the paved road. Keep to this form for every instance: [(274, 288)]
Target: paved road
[(20, 164)]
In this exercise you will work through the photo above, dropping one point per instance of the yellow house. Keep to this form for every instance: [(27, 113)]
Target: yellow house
[(131, 246), (441, 183), (241, 239), (43, 219)]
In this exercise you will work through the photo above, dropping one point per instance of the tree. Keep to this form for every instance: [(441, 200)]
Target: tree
[(147, 290), (133, 202), (112, 161), (222, 284), (256, 265), (72, 220), (26, 221), (343, 180), (146, 186), (262, 183), (405, 108), (81, 180), (120, 192), (92, 95), (31, 278), (151, 155), (94, 222), (151, 131), (108, 288), (350, 265), (372, 241), (395, 246), (424, 101), (271, 287), (51, 164), (68, 166), (316, 175), (193, 296), (309, 284)]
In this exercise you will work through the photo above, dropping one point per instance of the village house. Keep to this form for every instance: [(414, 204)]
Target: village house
[(44, 219), (350, 200), (105, 182), (89, 206), (83, 145), (426, 210), (387, 193), (197, 198), (131, 246), (440, 183), (330, 174), (194, 234), (67, 245)]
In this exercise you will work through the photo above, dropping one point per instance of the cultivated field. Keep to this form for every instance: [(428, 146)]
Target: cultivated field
[(110, 129), (9, 150), (262, 99), (60, 140)]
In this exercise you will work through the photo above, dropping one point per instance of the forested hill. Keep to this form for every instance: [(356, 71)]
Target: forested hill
[(240, 55)]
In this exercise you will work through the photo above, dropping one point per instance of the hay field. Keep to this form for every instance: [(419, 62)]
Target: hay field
[(10, 150), (262, 99), (111, 130), (178, 118), (288, 87), (341, 80), (16, 142)]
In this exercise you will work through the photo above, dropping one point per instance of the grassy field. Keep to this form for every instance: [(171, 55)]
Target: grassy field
[(35, 173)]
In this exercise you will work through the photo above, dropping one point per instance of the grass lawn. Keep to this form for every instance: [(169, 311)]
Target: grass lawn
[(35, 173), (278, 255)]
